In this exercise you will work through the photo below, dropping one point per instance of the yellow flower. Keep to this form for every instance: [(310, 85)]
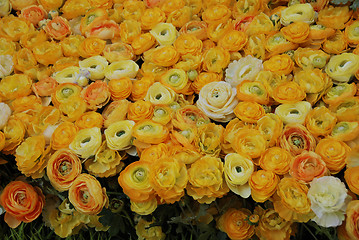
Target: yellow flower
[(120, 88), (176, 79), (276, 159), (237, 170), (62, 169), (162, 114), (119, 135), (73, 8), (73, 109), (263, 184), (86, 195), (276, 43), (334, 16), (336, 43), (86, 142), (256, 46), (14, 132), (13, 28), (71, 44), (209, 138), (218, 100), (261, 23), (248, 8), (280, 64), (135, 181), (47, 52), (345, 131), (164, 33), (188, 44), (115, 111), (5, 8), (107, 162), (145, 231), (168, 178), (293, 112), (320, 121), (341, 68), (91, 46), (351, 225), (310, 58), (288, 92), (67, 75), (249, 112), (233, 40), (142, 43), (351, 33), (129, 30), (15, 86), (203, 78), (144, 208), (351, 178), (140, 110), (123, 68), (250, 142), (96, 65), (148, 131), (339, 92), (297, 13), (160, 94), (7, 47), (63, 135), (89, 120), (30, 156), (270, 127), (195, 28), (164, 56), (216, 14), (151, 17), (215, 59), (205, 177), (65, 92), (118, 51), (180, 17)]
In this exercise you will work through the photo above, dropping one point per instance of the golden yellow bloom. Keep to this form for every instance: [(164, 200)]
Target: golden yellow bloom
[(293, 112), (204, 78), (86, 142), (248, 8), (24, 60), (250, 142), (47, 52), (140, 87), (13, 28), (86, 194), (107, 162), (30, 156), (188, 44), (216, 31), (168, 178), (15, 86), (310, 58), (237, 170), (115, 111), (160, 94), (74, 8), (7, 47), (252, 91), (119, 135), (122, 68), (351, 33), (297, 13), (5, 8), (2, 140), (249, 112), (233, 40), (280, 64), (129, 29), (195, 28), (135, 181), (263, 184), (120, 88), (352, 178), (276, 43), (209, 138), (32, 38), (155, 153), (50, 4), (347, 109), (334, 153), (144, 208), (180, 17), (100, 3), (351, 225), (256, 46), (145, 231), (148, 131), (335, 44), (165, 56), (296, 32), (96, 65), (205, 177), (292, 203), (235, 223), (270, 127), (320, 121), (151, 17), (176, 79), (162, 114), (118, 51), (215, 59), (342, 67), (319, 33), (334, 17), (276, 159), (89, 120), (142, 43), (288, 92), (91, 46), (71, 44), (216, 14), (65, 62), (65, 92), (261, 23), (345, 131), (169, 6), (14, 132), (63, 135), (62, 169), (140, 110)]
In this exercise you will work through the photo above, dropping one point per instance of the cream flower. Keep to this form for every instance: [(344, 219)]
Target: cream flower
[(237, 170), (5, 8), (160, 94), (67, 75), (6, 65), (123, 68), (218, 100), (5, 113), (245, 68), (342, 67), (293, 112), (329, 200), (298, 13), (86, 142), (165, 33), (96, 65), (119, 135)]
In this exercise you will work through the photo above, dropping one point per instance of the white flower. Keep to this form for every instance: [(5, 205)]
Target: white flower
[(6, 65), (217, 100), (5, 113), (293, 112), (329, 200), (245, 68)]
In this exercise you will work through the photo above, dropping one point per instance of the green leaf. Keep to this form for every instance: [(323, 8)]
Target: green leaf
[(355, 5), (339, 2), (113, 220)]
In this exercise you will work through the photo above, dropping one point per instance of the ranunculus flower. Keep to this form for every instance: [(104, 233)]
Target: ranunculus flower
[(263, 184), (339, 92), (320, 121), (15, 86), (63, 168), (58, 28), (245, 68), (351, 176), (96, 95), (296, 32), (250, 142), (205, 177), (233, 40), (188, 44), (272, 227), (145, 207), (5, 8), (203, 79), (276, 43), (159, 94), (235, 223), (123, 68), (22, 202), (218, 100), (237, 170), (151, 17), (297, 13), (308, 58), (14, 132), (329, 199), (119, 135), (145, 230), (91, 46), (345, 131), (164, 33), (71, 44), (65, 93), (103, 29), (63, 135), (334, 16), (140, 110), (86, 195), (271, 128), (142, 43), (216, 14), (96, 65), (342, 67), (293, 112), (164, 56), (115, 111), (135, 181), (86, 142), (249, 111), (280, 64), (5, 113), (13, 28), (276, 159), (120, 88), (47, 52), (288, 92), (352, 219), (189, 116), (208, 139), (6, 65), (45, 87), (129, 30), (196, 28), (148, 131), (215, 59), (89, 120)]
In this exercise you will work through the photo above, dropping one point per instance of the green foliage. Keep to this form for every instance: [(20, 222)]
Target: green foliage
[(354, 4)]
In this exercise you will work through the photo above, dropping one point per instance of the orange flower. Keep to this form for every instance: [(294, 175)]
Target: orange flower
[(142, 43), (276, 159), (180, 17), (129, 29), (120, 88), (44, 87), (140, 110), (63, 168), (249, 112), (103, 29), (263, 184), (63, 135), (216, 14), (196, 28), (51, 4), (165, 56), (334, 17), (351, 176), (13, 28), (33, 14), (203, 78), (189, 116), (140, 87), (277, 43), (235, 223), (151, 17), (96, 95), (89, 120), (92, 46), (233, 40), (280, 64), (22, 202), (24, 60), (271, 127), (148, 131), (288, 92), (320, 121), (2, 140), (154, 153), (215, 59), (272, 227), (14, 132), (70, 45), (58, 28), (208, 139), (188, 44), (86, 195), (352, 219), (72, 8), (335, 44), (252, 91), (115, 111), (47, 52), (216, 31), (334, 153), (250, 142), (296, 138), (296, 32)]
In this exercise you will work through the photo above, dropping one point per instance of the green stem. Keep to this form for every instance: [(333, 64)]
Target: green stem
[(306, 227)]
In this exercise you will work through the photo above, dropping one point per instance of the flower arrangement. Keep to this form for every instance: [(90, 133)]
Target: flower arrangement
[(159, 118)]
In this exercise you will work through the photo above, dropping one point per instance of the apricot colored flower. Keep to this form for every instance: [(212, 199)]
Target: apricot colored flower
[(249, 112), (119, 135), (250, 142), (203, 78), (263, 184), (205, 177), (86, 195), (280, 64), (58, 28), (91, 46), (22, 202), (63, 168), (135, 181), (234, 222), (276, 159), (33, 13), (351, 177), (296, 138), (86, 142), (218, 100), (237, 170), (96, 95)]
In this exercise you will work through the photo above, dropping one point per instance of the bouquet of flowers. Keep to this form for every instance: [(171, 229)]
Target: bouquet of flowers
[(168, 119)]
